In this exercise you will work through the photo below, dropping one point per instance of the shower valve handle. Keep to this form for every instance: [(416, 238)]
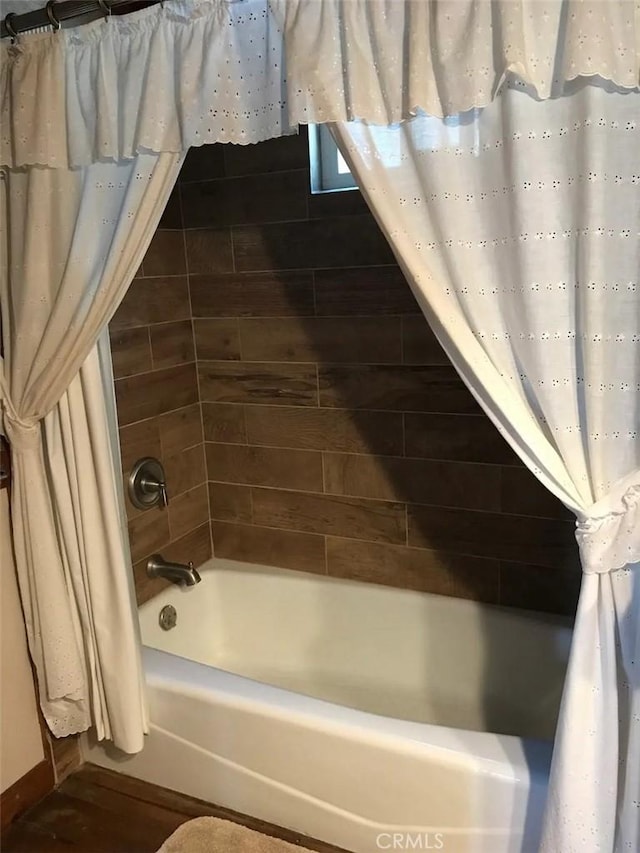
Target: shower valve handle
[(147, 484), (151, 485)]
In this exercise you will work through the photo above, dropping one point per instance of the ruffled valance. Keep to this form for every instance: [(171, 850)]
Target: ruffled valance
[(164, 79), (202, 71), (384, 60)]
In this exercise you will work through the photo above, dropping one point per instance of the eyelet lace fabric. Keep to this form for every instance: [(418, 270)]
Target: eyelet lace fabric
[(203, 71), (518, 227), (609, 533), (448, 56), (160, 80)]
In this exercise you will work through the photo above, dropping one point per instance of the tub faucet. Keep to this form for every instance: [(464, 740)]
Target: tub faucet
[(158, 567)]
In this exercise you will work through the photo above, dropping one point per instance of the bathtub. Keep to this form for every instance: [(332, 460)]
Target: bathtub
[(368, 717)]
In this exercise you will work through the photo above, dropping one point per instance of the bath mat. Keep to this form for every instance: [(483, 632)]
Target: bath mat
[(213, 835)]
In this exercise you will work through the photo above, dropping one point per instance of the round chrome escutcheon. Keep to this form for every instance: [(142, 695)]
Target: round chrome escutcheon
[(168, 617)]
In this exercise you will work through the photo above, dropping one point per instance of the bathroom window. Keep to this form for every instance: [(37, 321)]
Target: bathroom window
[(329, 171)]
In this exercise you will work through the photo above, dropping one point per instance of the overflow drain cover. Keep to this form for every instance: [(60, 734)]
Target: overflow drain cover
[(168, 617)]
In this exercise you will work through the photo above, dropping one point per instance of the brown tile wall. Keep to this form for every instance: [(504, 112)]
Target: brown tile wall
[(5, 463), (158, 403), (338, 439)]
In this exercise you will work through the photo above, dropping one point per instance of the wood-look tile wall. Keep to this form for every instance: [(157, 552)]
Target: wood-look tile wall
[(5, 463), (158, 403), (338, 438)]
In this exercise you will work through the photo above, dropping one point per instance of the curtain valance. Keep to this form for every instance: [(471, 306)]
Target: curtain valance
[(202, 71), (160, 80)]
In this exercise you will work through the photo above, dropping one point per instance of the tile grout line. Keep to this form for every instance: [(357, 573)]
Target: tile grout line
[(190, 530), (307, 195), (117, 330), (332, 364), (233, 249), (290, 316), (265, 223), (240, 336), (389, 544), (323, 449), (271, 271), (289, 270), (403, 427), (245, 432), (249, 175), (382, 457), (150, 348), (171, 542), (159, 370), (163, 275), (159, 415), (195, 355), (404, 504), (314, 294)]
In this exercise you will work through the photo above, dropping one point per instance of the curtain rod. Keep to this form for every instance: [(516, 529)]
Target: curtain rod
[(55, 13)]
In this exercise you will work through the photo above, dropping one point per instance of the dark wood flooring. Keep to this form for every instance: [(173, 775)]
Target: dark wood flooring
[(97, 811)]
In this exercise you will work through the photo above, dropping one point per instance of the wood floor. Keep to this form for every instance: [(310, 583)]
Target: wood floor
[(97, 811)]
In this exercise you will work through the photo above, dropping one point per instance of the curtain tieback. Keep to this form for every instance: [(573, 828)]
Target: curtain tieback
[(23, 433), (608, 533)]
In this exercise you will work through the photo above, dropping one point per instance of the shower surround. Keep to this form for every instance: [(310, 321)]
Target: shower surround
[(272, 355)]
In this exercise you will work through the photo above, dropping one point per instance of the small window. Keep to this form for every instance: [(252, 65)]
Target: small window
[(329, 170)]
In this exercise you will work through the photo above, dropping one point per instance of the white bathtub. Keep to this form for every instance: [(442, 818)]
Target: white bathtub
[(368, 717)]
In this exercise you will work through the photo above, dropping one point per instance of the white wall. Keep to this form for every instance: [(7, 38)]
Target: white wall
[(20, 739)]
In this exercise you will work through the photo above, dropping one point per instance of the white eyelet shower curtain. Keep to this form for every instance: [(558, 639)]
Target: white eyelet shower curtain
[(518, 228), (72, 242)]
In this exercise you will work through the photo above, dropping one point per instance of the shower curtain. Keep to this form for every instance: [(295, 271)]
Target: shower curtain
[(72, 242), (501, 299), (517, 227)]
